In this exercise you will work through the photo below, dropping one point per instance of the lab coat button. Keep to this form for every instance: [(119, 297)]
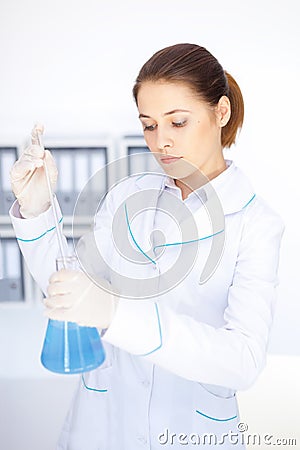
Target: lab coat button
[(145, 383)]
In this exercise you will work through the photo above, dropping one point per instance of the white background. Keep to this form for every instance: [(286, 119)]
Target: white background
[(71, 65)]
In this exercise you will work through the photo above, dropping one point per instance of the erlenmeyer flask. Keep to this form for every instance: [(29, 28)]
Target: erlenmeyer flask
[(68, 347)]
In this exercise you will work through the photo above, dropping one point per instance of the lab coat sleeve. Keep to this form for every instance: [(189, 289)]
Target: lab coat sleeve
[(232, 355), (38, 242)]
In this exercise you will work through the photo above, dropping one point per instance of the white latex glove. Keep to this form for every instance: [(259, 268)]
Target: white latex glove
[(28, 178), (73, 297)]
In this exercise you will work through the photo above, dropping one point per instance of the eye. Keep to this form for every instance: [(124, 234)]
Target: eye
[(149, 127), (179, 123)]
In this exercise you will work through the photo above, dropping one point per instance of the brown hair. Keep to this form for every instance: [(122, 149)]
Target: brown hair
[(198, 68)]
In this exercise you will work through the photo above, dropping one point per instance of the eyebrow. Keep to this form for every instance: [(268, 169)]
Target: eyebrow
[(166, 114)]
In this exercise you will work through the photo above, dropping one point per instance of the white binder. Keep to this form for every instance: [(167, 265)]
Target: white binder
[(11, 285), (8, 156)]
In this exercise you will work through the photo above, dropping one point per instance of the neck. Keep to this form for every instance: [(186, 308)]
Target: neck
[(199, 178)]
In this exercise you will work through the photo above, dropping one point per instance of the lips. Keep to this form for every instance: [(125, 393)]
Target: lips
[(169, 159)]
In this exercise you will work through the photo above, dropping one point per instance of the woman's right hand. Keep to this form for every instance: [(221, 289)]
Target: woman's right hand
[(28, 178)]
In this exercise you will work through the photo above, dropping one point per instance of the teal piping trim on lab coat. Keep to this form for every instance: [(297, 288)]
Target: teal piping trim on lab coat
[(133, 238), (89, 388), (160, 335), (214, 418), (163, 245), (252, 198), (39, 237), (188, 242)]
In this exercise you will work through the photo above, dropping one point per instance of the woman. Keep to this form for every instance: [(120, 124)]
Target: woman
[(179, 343)]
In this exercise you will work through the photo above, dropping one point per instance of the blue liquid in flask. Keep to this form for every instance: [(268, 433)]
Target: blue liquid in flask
[(71, 348)]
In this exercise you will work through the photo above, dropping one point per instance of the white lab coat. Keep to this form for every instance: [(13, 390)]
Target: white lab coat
[(173, 363)]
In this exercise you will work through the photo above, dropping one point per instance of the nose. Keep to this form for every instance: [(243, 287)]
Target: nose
[(164, 142)]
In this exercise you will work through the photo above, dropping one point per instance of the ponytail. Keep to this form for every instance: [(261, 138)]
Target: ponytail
[(235, 122)]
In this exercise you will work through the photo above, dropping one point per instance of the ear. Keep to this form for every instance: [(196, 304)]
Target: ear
[(223, 111)]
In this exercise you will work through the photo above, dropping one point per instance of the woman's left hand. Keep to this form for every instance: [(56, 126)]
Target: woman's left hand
[(73, 297)]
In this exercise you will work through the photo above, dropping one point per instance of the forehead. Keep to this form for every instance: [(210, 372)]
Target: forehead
[(161, 97)]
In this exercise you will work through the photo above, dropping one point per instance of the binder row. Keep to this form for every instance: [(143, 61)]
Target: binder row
[(8, 156), (77, 163), (12, 281), (76, 166)]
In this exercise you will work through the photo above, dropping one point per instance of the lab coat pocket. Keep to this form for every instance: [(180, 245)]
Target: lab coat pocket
[(88, 425), (215, 408), (99, 380)]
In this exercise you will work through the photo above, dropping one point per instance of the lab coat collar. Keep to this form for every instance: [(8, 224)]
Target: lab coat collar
[(232, 187)]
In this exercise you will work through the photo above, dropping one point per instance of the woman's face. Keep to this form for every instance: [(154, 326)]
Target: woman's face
[(182, 131)]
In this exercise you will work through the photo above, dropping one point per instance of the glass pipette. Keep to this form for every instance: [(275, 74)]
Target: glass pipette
[(52, 201)]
